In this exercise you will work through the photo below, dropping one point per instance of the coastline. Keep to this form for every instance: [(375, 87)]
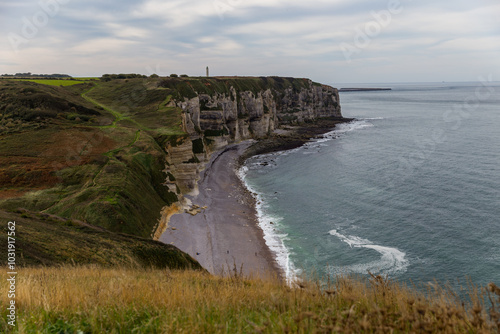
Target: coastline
[(222, 230), (292, 137)]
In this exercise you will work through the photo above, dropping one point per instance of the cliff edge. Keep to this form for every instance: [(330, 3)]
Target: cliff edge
[(223, 110), (115, 153)]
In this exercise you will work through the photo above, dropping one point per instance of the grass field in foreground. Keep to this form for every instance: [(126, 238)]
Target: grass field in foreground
[(90, 299)]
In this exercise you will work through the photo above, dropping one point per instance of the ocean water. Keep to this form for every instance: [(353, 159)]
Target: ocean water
[(411, 189)]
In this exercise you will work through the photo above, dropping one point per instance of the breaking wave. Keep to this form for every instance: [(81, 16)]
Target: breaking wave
[(392, 261)]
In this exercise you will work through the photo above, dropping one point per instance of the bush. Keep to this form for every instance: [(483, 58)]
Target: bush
[(216, 133), (173, 75), (109, 77), (198, 146)]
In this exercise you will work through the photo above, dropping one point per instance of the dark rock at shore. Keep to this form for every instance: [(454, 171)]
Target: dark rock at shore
[(362, 89), (294, 138)]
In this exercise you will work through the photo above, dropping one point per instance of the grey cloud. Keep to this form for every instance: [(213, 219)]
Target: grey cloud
[(273, 36)]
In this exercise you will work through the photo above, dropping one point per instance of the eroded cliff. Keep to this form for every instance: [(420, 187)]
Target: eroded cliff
[(95, 152), (223, 110), (219, 111)]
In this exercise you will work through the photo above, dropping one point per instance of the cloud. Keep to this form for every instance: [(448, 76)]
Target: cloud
[(126, 31), (258, 37), (175, 13), (102, 45), (469, 45)]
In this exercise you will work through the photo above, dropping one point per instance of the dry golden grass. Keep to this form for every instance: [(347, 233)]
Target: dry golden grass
[(96, 300)]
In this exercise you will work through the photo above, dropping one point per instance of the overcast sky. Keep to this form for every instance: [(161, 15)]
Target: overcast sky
[(326, 40)]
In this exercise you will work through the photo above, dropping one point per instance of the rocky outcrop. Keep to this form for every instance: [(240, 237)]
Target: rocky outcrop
[(239, 115), (223, 110), (220, 111)]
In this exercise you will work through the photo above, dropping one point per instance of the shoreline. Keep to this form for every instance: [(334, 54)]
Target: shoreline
[(222, 230), (292, 137)]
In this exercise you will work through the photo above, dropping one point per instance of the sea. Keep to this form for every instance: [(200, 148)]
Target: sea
[(409, 190)]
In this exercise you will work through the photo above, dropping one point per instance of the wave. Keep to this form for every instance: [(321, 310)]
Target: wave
[(339, 130), (268, 224), (270, 159), (392, 261), (342, 128), (354, 125)]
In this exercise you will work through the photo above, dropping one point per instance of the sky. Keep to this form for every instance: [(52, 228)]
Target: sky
[(328, 41)]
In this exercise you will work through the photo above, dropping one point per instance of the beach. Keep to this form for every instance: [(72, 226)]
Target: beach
[(221, 231), (224, 235)]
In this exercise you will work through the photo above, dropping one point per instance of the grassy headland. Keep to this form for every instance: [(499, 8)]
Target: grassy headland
[(72, 152), (49, 240), (95, 151), (81, 173)]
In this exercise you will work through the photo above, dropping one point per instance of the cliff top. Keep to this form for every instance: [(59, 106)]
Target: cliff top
[(189, 86), (96, 152)]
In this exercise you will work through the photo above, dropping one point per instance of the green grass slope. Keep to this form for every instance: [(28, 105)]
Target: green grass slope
[(65, 153), (190, 87), (55, 82), (50, 240), (94, 151)]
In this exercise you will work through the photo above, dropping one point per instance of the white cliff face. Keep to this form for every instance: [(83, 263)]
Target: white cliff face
[(243, 114), (216, 120)]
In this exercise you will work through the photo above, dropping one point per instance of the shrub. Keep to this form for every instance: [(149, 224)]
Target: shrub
[(198, 146)]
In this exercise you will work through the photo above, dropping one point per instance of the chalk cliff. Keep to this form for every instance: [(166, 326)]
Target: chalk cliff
[(97, 151), (223, 110)]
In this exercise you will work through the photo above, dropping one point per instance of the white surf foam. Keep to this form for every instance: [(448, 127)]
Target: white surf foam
[(392, 260), (315, 145), (351, 126), (267, 160), (342, 129), (273, 239), (269, 225)]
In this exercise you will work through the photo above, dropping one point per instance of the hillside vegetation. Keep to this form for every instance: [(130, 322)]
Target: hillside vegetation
[(48, 240), (90, 299), (55, 82), (95, 151), (190, 87), (82, 175), (94, 154), (74, 153)]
